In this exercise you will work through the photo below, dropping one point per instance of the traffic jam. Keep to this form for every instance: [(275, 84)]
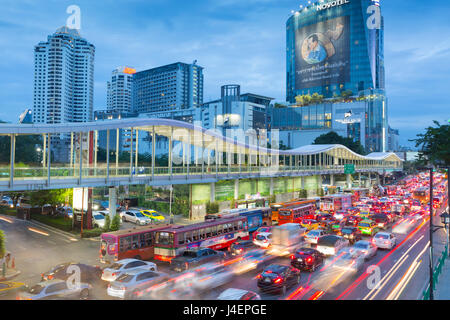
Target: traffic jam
[(310, 249)]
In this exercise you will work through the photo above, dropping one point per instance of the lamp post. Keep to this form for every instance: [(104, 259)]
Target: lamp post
[(431, 235), (170, 204), (445, 219)]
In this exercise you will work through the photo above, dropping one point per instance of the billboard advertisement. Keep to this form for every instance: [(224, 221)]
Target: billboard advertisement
[(322, 53)]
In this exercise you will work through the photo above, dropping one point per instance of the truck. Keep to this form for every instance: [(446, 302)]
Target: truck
[(287, 238)]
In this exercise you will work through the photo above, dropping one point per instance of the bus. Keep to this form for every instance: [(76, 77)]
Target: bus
[(255, 217), (335, 202), (295, 214), (251, 203), (422, 194), (218, 234), (277, 206), (135, 243)]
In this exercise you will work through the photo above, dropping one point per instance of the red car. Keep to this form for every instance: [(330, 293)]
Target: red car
[(261, 229)]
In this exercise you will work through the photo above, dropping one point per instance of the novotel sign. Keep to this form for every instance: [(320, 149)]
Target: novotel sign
[(331, 4)]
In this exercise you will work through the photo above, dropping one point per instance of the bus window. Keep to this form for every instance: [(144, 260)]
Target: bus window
[(135, 242), (219, 229), (188, 236), (195, 235), (214, 230), (240, 225), (125, 244), (165, 238), (181, 238), (148, 239), (235, 226), (208, 232)]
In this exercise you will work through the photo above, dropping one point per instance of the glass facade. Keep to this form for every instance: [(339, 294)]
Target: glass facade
[(335, 49)]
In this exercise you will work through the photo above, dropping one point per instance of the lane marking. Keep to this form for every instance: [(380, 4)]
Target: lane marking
[(38, 231)]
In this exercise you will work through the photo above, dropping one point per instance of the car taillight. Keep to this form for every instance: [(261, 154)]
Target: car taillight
[(309, 259), (259, 276), (278, 280), (50, 277), (292, 256)]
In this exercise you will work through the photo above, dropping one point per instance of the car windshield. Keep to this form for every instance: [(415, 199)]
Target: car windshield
[(381, 236), (347, 231), (361, 245), (139, 215), (364, 225), (99, 217), (327, 241), (191, 254), (314, 233), (115, 266), (260, 237), (125, 277), (36, 289)]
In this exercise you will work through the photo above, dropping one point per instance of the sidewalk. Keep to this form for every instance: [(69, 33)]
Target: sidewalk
[(10, 274), (443, 286)]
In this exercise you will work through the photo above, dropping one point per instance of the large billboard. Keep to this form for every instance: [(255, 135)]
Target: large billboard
[(322, 53)]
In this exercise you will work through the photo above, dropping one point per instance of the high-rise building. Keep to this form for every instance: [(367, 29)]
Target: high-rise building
[(172, 87), (335, 46), (119, 93), (63, 78)]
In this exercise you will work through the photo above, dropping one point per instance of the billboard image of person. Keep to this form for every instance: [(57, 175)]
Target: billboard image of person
[(323, 53)]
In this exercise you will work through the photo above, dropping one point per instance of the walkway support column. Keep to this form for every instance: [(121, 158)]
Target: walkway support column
[(332, 180), (212, 197), (107, 156), (271, 187), (112, 197), (349, 181), (236, 189), (12, 159)]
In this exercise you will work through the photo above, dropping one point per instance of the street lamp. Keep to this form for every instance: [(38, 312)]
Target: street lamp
[(170, 205)]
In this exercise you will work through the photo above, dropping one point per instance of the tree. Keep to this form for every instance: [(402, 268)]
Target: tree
[(107, 225), (115, 223), (279, 106), (346, 93), (434, 144), (333, 138), (2, 244), (25, 148), (53, 197)]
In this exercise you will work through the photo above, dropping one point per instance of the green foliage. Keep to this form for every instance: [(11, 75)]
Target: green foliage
[(272, 198), (346, 93), (2, 244), (25, 148), (333, 138), (279, 106), (61, 223), (307, 99), (233, 203), (115, 223), (92, 233), (107, 225), (320, 192), (212, 207), (303, 193), (53, 197), (434, 145)]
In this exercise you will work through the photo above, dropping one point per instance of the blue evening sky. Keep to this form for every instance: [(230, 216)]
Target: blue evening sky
[(236, 41)]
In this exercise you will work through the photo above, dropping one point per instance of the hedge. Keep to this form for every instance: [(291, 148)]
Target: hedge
[(92, 233), (56, 222)]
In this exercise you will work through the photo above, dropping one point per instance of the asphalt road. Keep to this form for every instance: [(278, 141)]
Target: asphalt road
[(403, 271)]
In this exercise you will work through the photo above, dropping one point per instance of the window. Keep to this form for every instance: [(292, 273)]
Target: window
[(135, 264), (145, 275), (181, 238), (135, 242), (56, 287), (188, 236), (214, 230), (125, 244)]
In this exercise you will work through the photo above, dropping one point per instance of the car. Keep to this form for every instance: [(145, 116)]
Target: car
[(97, 205), (329, 245), (323, 216), (88, 274), (366, 247), (112, 272), (211, 276), (263, 240), (340, 214), (278, 278), (383, 221), (240, 246), (55, 289), (309, 224), (352, 220), (368, 227), (307, 259), (238, 294), (384, 240), (7, 203), (98, 220), (153, 215), (10, 289), (262, 229), (195, 257), (252, 260), (352, 234), (135, 216), (129, 284), (314, 235), (348, 260)]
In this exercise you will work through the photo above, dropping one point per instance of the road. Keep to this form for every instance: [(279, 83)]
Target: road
[(403, 271)]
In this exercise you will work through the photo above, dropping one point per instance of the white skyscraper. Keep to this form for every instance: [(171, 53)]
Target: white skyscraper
[(120, 90), (64, 78)]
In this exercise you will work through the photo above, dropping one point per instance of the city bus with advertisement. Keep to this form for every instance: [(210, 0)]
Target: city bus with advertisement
[(256, 218), (335, 202), (218, 234), (135, 243), (296, 214), (277, 206)]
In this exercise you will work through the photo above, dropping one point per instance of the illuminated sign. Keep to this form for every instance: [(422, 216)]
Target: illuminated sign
[(129, 70), (331, 4)]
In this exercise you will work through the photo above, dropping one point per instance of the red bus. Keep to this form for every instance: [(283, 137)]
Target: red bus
[(217, 234), (277, 206), (295, 214), (335, 202), (135, 243)]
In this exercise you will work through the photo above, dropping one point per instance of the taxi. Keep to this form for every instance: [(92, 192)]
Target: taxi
[(368, 227), (152, 214), (310, 224)]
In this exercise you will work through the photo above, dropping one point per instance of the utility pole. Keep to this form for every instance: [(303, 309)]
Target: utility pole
[(431, 235)]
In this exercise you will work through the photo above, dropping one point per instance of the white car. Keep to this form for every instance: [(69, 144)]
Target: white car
[(210, 276), (348, 260), (238, 294), (56, 290), (384, 240), (131, 284), (314, 235), (330, 245), (118, 268), (263, 239), (367, 248), (135, 216), (98, 220)]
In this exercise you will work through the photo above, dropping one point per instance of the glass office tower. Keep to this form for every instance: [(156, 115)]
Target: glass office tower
[(335, 48)]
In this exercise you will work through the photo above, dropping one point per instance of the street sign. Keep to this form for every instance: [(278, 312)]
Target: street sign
[(349, 168)]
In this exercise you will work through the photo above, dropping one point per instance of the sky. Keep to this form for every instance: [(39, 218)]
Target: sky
[(236, 41)]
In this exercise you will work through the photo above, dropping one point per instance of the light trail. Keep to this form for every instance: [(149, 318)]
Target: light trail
[(38, 231), (6, 219)]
